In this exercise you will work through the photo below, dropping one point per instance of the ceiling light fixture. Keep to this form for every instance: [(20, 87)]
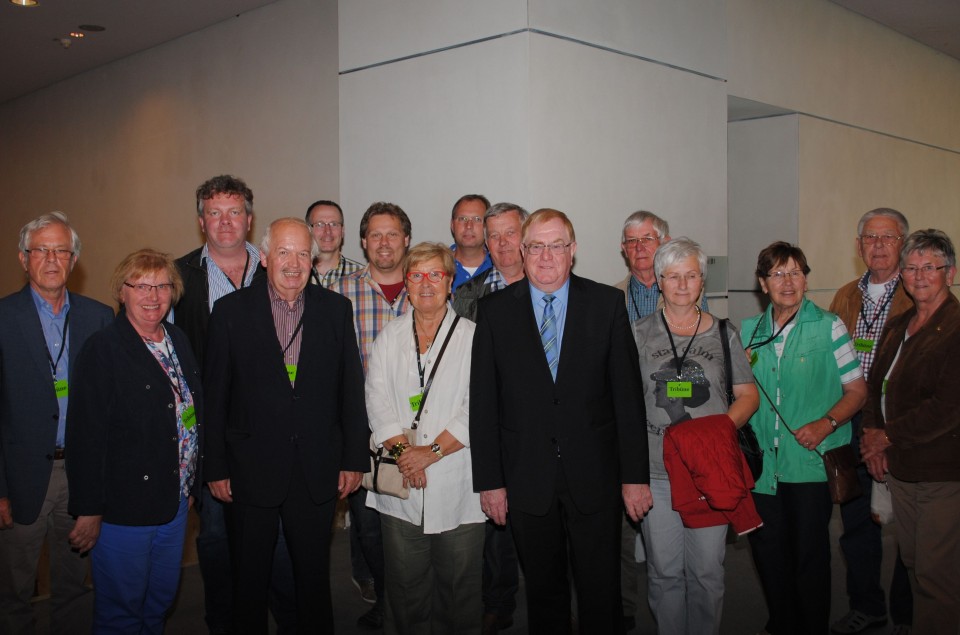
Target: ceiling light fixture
[(25, 3), (77, 34)]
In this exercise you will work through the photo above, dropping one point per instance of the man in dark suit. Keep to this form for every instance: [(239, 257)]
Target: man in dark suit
[(286, 424), (557, 428), (42, 329)]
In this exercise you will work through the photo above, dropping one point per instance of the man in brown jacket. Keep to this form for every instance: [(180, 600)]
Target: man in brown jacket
[(865, 305)]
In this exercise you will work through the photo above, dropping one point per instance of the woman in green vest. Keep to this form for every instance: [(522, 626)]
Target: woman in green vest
[(810, 384)]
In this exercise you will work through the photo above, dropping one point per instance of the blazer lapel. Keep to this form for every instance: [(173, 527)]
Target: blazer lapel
[(573, 328)]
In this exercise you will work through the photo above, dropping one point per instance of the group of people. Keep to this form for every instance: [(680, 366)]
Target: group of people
[(534, 416)]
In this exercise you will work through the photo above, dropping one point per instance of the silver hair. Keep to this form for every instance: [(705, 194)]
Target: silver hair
[(265, 241), (499, 209), (681, 248), (931, 241), (887, 212), (639, 218), (53, 218)]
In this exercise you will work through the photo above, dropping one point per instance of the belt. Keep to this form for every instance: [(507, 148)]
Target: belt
[(58, 454)]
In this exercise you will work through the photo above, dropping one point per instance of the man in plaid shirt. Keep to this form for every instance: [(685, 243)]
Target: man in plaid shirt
[(864, 305), (378, 295)]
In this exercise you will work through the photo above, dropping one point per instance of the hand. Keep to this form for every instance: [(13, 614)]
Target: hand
[(415, 459), (417, 480), (221, 490), (873, 442), (348, 483), (190, 503), (6, 514), (637, 500), (877, 467), (813, 433), (494, 504), (85, 533)]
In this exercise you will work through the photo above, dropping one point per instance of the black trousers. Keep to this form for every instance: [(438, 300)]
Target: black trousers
[(306, 528), (792, 555), (593, 544)]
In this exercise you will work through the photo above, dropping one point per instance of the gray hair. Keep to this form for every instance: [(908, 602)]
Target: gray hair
[(885, 212), (265, 241), (499, 209), (639, 218), (680, 248), (931, 241), (53, 218)]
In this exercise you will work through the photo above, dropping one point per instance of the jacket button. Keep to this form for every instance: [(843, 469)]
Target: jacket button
[(174, 439), (176, 471), (169, 405), (146, 477), (556, 402), (148, 386)]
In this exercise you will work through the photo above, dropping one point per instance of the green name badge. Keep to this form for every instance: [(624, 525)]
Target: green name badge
[(883, 389), (189, 417), (60, 387), (679, 389), (753, 358), (862, 345), (292, 372), (415, 401)]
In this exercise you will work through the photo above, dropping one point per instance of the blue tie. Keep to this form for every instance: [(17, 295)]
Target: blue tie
[(548, 335)]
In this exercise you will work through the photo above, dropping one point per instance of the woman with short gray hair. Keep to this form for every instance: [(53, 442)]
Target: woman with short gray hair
[(685, 381)]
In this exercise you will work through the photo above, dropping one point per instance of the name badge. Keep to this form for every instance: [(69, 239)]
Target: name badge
[(292, 372), (862, 345), (883, 389), (415, 401), (60, 387), (189, 417), (753, 358), (679, 389)]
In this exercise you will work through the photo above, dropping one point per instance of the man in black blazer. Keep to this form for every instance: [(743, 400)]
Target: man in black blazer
[(42, 329), (557, 428), (286, 424)]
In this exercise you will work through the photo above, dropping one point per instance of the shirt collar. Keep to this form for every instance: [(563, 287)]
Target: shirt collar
[(560, 294), (276, 299), (46, 308), (888, 286)]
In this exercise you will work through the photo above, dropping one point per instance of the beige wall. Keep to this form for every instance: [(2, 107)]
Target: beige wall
[(121, 149)]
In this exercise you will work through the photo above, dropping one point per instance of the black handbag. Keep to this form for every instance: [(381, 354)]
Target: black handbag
[(746, 437)]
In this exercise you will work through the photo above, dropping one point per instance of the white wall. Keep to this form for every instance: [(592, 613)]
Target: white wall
[(121, 149)]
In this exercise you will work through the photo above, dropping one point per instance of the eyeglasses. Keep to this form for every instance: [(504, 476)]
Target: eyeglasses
[(432, 276), (42, 253), (535, 249), (319, 225), (468, 219), (926, 270), (510, 234), (647, 241), (780, 276), (886, 239), (674, 278), (144, 289), (391, 236)]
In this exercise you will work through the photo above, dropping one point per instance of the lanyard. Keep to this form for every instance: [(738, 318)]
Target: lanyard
[(63, 346), (634, 296), (879, 311), (294, 335), (679, 362), (753, 346), (167, 351), (416, 341)]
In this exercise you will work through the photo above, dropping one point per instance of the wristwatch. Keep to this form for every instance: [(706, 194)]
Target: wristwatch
[(435, 448), (833, 422)]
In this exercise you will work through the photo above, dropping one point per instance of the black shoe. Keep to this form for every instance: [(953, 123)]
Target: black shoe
[(372, 620)]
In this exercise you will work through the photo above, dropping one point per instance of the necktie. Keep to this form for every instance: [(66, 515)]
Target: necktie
[(548, 335)]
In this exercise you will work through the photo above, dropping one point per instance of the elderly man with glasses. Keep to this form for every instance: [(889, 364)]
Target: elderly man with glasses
[(42, 329)]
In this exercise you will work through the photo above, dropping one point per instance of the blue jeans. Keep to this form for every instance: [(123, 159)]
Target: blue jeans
[(136, 572), (365, 522)]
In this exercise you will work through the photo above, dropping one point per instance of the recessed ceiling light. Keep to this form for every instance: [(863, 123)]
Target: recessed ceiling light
[(92, 28), (77, 34), (25, 3)]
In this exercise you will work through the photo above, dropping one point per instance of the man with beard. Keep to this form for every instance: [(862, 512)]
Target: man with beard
[(378, 296)]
